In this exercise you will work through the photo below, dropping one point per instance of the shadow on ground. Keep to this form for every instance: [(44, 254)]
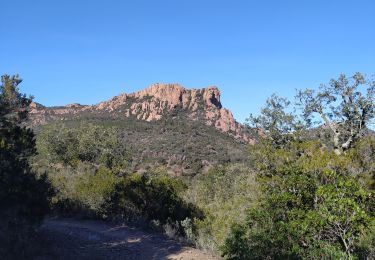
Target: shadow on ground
[(84, 239)]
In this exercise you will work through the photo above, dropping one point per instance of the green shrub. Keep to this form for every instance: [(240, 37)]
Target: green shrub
[(150, 197), (89, 143), (311, 206), (224, 194), (92, 190)]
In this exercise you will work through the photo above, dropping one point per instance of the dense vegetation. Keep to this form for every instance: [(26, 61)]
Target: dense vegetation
[(23, 195), (224, 194), (94, 174), (314, 204), (182, 146), (305, 190), (317, 198)]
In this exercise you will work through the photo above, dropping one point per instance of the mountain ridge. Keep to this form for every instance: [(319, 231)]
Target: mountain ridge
[(151, 104)]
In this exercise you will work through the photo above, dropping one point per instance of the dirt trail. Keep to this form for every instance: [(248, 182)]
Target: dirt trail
[(87, 239)]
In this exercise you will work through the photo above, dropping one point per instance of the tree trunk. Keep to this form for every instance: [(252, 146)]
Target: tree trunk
[(336, 142)]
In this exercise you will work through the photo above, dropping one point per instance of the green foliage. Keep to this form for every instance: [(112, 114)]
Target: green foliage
[(13, 105), (87, 143), (366, 244), (363, 157), (311, 206), (90, 167), (83, 163), (346, 106), (224, 194), (182, 146), (23, 196), (92, 190), (293, 197), (81, 190), (342, 100), (103, 193), (151, 197), (276, 121)]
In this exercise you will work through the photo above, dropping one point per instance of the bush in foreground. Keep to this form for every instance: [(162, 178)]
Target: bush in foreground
[(312, 207)]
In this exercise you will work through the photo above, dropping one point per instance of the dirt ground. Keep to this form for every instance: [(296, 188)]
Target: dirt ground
[(88, 239)]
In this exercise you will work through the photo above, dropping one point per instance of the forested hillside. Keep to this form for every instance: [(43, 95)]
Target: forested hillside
[(180, 145)]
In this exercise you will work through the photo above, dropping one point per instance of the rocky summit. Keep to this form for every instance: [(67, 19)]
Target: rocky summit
[(152, 104)]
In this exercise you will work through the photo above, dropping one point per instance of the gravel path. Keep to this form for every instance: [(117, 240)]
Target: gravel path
[(87, 239)]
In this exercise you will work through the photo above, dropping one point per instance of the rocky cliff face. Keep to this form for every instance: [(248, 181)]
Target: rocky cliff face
[(153, 103)]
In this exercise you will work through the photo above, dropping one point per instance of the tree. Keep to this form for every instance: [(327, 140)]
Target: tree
[(310, 208), (343, 107), (346, 107), (13, 105), (23, 196), (277, 123), (316, 203)]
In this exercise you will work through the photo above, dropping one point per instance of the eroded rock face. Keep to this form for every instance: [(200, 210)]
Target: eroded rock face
[(153, 103), (211, 97)]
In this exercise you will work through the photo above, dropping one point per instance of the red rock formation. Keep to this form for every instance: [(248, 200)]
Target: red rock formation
[(153, 103)]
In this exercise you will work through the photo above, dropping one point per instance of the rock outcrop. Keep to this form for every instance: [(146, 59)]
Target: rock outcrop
[(153, 103)]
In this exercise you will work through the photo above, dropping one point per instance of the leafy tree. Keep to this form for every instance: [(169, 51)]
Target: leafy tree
[(346, 106), (311, 207), (13, 105), (316, 203), (23, 196), (275, 121)]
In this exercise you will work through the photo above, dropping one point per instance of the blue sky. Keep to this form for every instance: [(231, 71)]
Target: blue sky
[(88, 51)]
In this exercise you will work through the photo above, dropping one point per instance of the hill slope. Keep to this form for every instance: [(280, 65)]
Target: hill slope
[(187, 131), (152, 104)]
